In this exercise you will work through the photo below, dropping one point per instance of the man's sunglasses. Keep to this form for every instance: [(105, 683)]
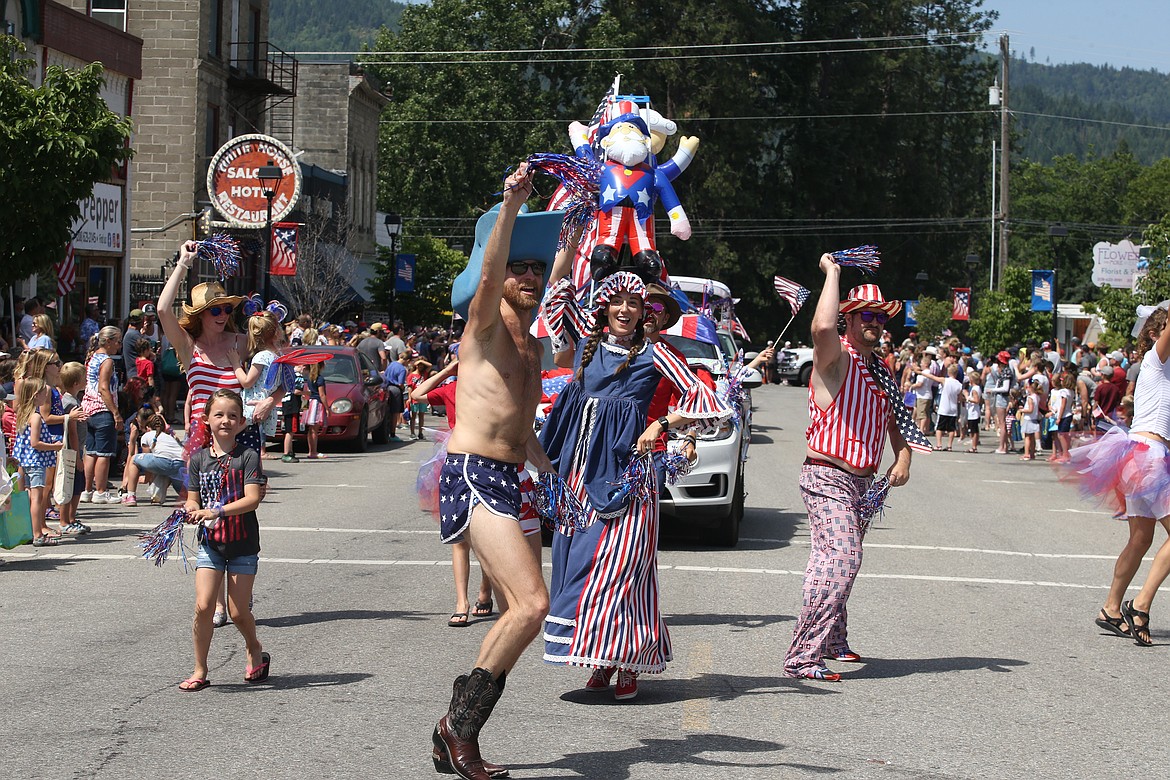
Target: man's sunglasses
[(227, 308), (521, 267), (655, 307), (868, 315)]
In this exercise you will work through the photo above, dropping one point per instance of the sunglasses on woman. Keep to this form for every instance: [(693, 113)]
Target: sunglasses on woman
[(227, 308), (868, 315), (521, 267)]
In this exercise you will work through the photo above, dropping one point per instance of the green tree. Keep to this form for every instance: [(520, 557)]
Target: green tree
[(56, 141), (933, 317), (1118, 308), (1003, 318), (436, 266)]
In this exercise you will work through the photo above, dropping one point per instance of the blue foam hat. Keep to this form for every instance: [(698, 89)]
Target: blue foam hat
[(534, 237)]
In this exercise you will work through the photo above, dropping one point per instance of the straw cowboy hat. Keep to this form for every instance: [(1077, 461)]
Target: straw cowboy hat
[(868, 296), (209, 294), (655, 292)]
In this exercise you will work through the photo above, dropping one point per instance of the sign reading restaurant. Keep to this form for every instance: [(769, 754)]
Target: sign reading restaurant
[(235, 189)]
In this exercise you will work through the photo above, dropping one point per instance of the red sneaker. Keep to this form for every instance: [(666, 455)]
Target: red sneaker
[(821, 673), (627, 685), (599, 680), (847, 656)]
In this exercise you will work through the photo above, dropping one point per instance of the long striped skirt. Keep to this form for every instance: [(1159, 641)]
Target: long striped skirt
[(603, 603)]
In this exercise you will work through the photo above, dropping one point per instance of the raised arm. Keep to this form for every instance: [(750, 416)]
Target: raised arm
[(484, 311), (826, 342), (419, 394), (179, 338)]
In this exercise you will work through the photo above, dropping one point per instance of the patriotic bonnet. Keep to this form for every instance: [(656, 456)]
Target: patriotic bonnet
[(869, 296), (622, 281)]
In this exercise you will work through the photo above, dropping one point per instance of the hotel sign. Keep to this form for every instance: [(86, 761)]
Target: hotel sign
[(236, 191)]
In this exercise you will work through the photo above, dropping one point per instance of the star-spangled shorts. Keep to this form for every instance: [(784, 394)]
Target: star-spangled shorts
[(504, 489)]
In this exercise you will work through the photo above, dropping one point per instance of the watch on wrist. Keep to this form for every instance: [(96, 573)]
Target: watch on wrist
[(664, 423)]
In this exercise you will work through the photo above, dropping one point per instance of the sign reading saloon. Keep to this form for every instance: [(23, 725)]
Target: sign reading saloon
[(236, 191), (1115, 264), (99, 228)]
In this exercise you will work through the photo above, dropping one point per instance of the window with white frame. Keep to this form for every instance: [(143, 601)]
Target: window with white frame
[(112, 12)]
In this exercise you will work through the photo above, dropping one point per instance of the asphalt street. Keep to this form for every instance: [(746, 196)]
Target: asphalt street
[(974, 611)]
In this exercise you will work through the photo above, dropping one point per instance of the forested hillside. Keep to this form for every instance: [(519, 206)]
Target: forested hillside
[(330, 25), (1124, 96)]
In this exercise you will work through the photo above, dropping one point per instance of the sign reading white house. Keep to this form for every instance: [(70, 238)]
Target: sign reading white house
[(99, 228), (1115, 264)]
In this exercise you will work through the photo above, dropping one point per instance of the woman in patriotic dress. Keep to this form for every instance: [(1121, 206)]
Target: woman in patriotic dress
[(603, 608)]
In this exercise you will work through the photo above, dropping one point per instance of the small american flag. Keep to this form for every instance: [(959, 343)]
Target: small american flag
[(284, 249), (961, 309), (738, 329), (602, 108), (66, 272), (791, 292)]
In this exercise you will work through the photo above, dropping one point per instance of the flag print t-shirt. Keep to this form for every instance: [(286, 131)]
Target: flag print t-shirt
[(218, 482)]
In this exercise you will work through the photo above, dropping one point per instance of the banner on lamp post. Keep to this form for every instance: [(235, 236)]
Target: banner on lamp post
[(909, 307), (961, 305), (404, 273), (1042, 282)]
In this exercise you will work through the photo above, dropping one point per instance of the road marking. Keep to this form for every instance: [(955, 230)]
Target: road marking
[(1008, 482), (696, 714), (292, 528), (929, 548), (300, 485), (662, 567), (1082, 512)]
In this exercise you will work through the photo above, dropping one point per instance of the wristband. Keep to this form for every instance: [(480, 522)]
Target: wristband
[(664, 423)]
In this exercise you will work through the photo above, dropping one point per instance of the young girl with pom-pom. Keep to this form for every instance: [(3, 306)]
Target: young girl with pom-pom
[(224, 481)]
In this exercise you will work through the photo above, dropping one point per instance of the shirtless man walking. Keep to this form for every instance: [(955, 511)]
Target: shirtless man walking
[(485, 492)]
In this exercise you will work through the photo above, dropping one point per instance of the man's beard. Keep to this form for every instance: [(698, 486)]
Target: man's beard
[(519, 300), (627, 150)]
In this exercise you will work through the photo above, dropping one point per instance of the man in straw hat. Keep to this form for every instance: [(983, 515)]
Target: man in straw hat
[(854, 404), (485, 494)]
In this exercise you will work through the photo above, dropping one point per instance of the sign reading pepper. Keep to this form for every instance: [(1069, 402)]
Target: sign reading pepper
[(235, 189)]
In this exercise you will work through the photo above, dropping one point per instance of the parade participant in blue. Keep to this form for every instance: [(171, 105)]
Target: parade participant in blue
[(485, 493), (604, 612), (629, 186)]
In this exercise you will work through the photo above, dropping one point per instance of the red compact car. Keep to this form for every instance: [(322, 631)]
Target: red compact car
[(356, 400)]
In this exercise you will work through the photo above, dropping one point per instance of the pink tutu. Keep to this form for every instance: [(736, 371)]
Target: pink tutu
[(427, 483), (1128, 472), (314, 414)]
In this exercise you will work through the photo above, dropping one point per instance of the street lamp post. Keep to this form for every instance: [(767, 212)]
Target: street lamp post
[(1056, 231), (393, 224), (269, 176), (972, 264)]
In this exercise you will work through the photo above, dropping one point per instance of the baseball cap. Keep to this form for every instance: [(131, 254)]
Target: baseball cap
[(1116, 355), (377, 326), (1046, 345), (966, 350), (149, 310), (136, 314)]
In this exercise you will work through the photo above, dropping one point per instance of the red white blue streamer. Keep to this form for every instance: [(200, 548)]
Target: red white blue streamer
[(677, 466), (873, 502), (866, 258), (557, 504), (638, 481), (165, 538), (581, 178), (223, 252)]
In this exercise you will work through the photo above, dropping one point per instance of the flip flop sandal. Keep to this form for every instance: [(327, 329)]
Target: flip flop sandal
[(455, 622), (1115, 625), (483, 608), (258, 674), (1129, 613), (192, 684), (45, 540)]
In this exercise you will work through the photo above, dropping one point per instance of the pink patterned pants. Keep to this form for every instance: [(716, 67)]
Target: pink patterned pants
[(831, 497)]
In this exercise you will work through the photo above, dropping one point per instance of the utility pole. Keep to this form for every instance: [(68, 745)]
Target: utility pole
[(1005, 159)]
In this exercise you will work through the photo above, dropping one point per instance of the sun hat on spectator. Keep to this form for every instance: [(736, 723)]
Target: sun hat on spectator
[(209, 294), (1004, 357)]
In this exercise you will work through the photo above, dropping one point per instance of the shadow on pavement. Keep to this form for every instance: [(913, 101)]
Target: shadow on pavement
[(767, 527), (308, 618), (885, 668), (287, 681), (723, 619), (38, 563), (720, 687), (615, 764)]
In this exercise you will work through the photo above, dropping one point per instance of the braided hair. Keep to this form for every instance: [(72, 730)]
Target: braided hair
[(595, 335)]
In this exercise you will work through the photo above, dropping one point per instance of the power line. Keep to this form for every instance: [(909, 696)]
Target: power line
[(662, 47), (777, 117), (1093, 121)]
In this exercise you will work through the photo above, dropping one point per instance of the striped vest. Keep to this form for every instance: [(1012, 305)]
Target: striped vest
[(853, 428)]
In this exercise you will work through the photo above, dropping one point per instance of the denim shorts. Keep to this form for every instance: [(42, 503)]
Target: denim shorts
[(34, 476), (159, 466), (210, 559), (101, 438)]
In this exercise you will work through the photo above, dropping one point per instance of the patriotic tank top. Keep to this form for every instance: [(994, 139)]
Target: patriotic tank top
[(853, 428), (92, 402), (204, 378)]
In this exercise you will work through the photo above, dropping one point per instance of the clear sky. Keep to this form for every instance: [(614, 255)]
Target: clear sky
[(1122, 33)]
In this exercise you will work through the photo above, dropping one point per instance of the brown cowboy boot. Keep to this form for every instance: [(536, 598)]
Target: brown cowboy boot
[(456, 737)]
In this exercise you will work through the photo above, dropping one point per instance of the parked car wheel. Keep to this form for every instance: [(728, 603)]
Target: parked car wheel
[(726, 534), (805, 376), (361, 442), (381, 434)]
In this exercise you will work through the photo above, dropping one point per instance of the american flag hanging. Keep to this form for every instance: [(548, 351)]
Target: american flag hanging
[(791, 292), (284, 249), (914, 436), (961, 309), (66, 272)]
